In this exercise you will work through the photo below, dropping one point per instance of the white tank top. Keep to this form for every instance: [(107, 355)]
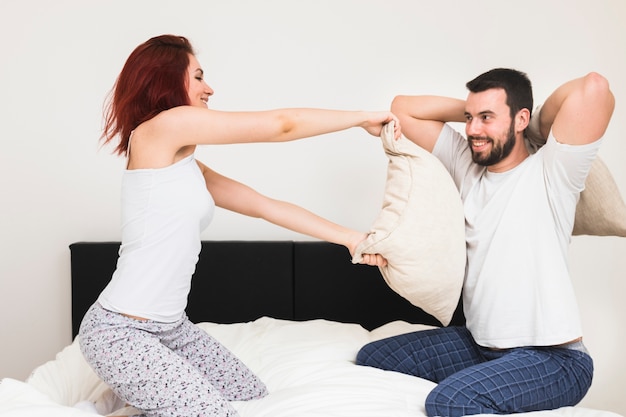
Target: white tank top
[(163, 213)]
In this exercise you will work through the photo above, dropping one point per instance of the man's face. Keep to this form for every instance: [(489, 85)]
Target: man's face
[(489, 127)]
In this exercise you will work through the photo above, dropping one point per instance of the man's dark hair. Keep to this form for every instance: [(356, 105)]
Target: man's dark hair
[(516, 85)]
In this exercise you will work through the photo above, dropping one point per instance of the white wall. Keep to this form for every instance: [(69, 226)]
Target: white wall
[(60, 58)]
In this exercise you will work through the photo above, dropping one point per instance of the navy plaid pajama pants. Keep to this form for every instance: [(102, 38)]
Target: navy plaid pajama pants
[(476, 380)]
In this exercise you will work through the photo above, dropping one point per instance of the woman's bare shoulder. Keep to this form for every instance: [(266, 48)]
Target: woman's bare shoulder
[(153, 146)]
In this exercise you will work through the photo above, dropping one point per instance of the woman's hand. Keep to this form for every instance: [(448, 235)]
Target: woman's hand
[(375, 259), (375, 122), (367, 258)]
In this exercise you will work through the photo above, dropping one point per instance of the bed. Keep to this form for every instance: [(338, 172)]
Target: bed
[(295, 312)]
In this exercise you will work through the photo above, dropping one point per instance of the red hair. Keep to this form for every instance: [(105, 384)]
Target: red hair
[(153, 79)]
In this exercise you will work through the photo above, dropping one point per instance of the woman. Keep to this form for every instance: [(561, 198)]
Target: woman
[(136, 336)]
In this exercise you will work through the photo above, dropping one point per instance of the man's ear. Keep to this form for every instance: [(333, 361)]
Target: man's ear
[(522, 118)]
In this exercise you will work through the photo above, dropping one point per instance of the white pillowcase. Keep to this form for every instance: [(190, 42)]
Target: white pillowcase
[(600, 210), (420, 229)]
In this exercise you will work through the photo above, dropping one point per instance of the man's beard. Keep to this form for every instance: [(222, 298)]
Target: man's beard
[(498, 152)]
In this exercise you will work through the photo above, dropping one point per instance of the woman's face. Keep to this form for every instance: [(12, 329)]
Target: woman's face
[(197, 89)]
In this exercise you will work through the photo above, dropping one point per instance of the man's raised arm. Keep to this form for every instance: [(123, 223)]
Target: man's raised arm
[(423, 117), (578, 112)]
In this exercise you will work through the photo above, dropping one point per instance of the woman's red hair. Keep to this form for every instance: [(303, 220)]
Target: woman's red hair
[(153, 79)]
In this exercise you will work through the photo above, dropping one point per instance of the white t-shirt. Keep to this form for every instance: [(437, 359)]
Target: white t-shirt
[(163, 213), (517, 289)]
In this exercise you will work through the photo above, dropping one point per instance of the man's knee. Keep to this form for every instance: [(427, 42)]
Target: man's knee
[(446, 401), (366, 355), (383, 354)]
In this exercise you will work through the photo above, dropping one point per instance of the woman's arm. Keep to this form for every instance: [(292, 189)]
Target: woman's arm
[(188, 125), (173, 134), (237, 197)]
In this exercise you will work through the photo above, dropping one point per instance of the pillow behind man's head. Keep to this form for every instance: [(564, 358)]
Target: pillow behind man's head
[(420, 229), (601, 210)]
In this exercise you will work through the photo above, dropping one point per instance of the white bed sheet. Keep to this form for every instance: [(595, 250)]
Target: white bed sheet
[(308, 368)]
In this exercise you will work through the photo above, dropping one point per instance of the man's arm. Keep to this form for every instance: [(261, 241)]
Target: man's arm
[(578, 112), (423, 117)]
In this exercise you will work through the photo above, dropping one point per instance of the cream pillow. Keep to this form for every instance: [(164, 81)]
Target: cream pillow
[(420, 230), (601, 210)]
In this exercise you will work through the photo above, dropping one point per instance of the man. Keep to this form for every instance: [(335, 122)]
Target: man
[(521, 349)]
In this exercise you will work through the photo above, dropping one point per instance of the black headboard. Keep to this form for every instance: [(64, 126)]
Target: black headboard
[(238, 281)]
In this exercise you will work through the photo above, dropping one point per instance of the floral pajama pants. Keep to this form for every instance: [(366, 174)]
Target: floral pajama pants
[(165, 369)]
